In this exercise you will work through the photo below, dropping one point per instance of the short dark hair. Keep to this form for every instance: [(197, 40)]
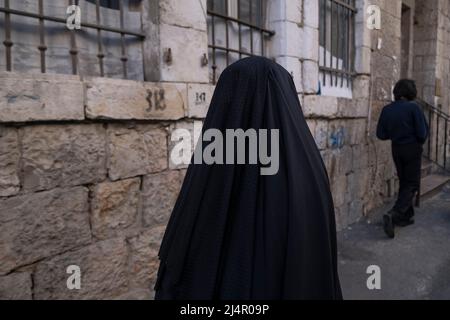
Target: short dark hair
[(406, 89)]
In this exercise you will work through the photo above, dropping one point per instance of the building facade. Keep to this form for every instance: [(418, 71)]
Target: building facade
[(91, 91)]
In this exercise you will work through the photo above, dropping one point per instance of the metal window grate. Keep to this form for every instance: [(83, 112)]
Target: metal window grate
[(337, 41), (73, 51), (235, 30)]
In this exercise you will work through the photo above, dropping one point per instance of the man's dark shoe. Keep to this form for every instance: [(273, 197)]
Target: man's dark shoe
[(402, 220), (388, 226)]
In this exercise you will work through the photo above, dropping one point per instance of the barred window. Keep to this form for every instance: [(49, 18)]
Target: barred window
[(36, 38), (337, 46), (236, 29)]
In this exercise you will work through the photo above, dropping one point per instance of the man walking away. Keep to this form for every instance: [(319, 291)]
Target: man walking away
[(403, 122)]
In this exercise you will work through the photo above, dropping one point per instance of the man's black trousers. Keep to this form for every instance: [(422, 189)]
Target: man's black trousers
[(408, 161)]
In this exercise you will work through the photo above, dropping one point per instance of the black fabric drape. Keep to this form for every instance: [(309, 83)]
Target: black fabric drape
[(235, 234)]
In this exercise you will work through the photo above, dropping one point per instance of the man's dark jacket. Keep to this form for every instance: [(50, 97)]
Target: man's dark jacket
[(403, 122)]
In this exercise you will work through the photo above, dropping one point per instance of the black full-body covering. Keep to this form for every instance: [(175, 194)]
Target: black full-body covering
[(235, 234)]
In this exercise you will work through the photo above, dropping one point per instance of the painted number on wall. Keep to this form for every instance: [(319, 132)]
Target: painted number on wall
[(200, 97), (156, 100)]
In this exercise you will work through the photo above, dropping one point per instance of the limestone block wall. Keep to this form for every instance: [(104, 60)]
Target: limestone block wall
[(85, 180)]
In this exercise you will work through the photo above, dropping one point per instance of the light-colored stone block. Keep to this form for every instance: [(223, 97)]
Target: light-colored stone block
[(159, 194), (285, 10), (16, 286), (338, 189), (9, 161), (320, 106), (114, 207), (311, 13), (311, 125), (40, 225), (363, 60), (356, 131), (310, 43), (136, 150), (294, 10), (358, 184), (137, 294), (144, 260), (354, 108), (362, 35), (103, 267), (287, 41), (360, 157), (187, 47), (310, 73), (294, 67), (62, 155), (126, 99), (186, 13), (31, 98), (321, 134), (199, 99)]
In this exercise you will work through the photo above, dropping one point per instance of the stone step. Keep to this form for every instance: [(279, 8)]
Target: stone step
[(427, 167), (432, 184)]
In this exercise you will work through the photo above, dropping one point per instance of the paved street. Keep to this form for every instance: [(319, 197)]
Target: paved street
[(415, 265)]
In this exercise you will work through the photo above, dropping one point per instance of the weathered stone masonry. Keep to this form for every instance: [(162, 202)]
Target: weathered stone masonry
[(85, 180)]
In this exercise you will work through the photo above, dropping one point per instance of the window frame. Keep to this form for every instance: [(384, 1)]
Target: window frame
[(331, 74), (237, 19)]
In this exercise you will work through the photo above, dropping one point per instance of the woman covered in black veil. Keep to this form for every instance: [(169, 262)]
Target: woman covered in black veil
[(236, 234)]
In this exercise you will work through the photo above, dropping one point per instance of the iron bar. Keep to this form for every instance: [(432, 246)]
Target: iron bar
[(42, 47), (73, 47), (7, 42), (124, 57), (100, 53), (339, 43), (227, 40), (251, 30), (213, 34), (240, 21), (239, 29), (7, 10), (341, 3)]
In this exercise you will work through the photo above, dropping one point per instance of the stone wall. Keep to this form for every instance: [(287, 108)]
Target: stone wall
[(85, 180)]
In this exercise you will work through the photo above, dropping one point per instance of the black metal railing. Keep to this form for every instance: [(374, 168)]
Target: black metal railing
[(253, 23), (337, 40), (72, 50), (437, 144)]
